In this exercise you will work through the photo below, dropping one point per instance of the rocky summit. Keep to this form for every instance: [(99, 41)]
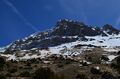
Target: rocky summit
[(65, 31)]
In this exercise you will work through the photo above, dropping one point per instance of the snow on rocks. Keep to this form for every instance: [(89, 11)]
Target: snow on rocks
[(109, 43), (111, 57), (98, 68), (2, 49)]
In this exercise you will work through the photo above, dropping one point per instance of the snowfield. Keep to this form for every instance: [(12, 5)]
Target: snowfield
[(109, 43), (2, 49)]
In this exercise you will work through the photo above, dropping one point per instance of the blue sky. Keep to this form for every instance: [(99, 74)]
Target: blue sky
[(20, 18)]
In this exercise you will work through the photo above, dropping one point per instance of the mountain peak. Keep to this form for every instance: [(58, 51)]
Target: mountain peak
[(107, 26), (63, 22), (110, 29), (65, 31)]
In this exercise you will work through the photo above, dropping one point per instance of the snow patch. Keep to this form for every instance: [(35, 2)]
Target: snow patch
[(111, 57)]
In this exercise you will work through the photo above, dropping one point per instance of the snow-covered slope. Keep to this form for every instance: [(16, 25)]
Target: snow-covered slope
[(2, 49), (110, 44), (67, 38)]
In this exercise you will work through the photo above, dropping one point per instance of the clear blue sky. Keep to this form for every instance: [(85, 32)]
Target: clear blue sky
[(20, 18)]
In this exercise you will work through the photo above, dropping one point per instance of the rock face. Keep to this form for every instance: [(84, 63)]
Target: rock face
[(65, 31), (110, 30), (72, 28)]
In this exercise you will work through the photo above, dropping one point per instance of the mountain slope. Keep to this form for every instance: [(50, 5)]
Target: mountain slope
[(65, 31), (66, 38)]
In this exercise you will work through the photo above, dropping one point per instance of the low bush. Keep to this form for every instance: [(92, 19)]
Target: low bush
[(2, 62), (25, 74), (45, 73), (108, 75), (2, 77), (116, 65), (13, 70), (81, 76), (95, 71)]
